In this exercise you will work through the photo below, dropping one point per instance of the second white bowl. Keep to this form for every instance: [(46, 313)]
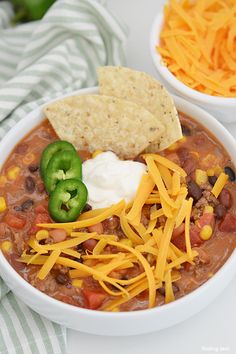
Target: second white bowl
[(222, 108)]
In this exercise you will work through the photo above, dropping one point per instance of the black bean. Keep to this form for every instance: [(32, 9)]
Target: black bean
[(220, 211), (230, 172), (87, 207), (17, 208), (194, 190), (62, 279), (212, 180), (185, 130), (27, 205), (33, 168), (29, 184)]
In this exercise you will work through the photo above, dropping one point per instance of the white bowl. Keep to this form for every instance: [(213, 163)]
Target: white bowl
[(223, 108), (112, 323)]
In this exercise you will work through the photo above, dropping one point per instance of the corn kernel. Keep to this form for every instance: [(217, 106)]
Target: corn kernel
[(208, 209), (173, 147), (77, 283), (6, 246), (210, 172), (3, 204), (126, 242), (13, 172), (42, 235), (201, 177), (218, 170), (206, 232), (96, 153), (29, 158), (3, 181)]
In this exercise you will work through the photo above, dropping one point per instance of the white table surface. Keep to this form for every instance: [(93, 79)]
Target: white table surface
[(213, 329)]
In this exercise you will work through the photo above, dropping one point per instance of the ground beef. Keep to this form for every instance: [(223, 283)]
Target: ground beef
[(207, 199)]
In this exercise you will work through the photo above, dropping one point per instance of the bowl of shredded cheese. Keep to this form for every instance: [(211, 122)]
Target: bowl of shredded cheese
[(193, 49)]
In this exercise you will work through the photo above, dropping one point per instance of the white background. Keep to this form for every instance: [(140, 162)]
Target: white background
[(213, 329)]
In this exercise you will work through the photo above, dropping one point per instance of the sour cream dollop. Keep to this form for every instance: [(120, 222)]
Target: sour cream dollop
[(109, 179)]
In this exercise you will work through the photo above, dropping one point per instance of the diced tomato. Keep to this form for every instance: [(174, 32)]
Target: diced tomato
[(228, 224), (39, 219), (206, 219), (14, 221), (179, 241), (195, 236), (95, 299), (178, 231)]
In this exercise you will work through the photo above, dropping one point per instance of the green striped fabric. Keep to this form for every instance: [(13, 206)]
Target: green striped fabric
[(40, 61)]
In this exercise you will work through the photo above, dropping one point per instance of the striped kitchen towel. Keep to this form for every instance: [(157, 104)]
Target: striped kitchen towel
[(40, 61)]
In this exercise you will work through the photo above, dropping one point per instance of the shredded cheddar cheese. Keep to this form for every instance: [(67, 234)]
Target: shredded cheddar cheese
[(48, 264), (197, 44), (169, 294), (145, 188), (146, 245), (220, 183)]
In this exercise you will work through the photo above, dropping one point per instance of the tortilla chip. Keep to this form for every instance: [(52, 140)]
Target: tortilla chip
[(95, 122), (142, 89)]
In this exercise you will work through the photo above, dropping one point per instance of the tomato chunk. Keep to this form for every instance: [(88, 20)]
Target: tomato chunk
[(228, 224), (95, 299), (179, 241), (14, 221), (206, 219), (42, 218), (195, 236)]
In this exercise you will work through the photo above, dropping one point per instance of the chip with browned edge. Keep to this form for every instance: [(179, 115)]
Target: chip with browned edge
[(144, 90), (94, 122)]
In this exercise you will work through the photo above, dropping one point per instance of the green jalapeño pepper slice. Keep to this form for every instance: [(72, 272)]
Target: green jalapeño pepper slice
[(68, 200), (50, 150), (63, 165)]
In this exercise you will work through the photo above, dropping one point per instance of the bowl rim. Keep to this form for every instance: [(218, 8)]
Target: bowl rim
[(21, 283), (172, 80)]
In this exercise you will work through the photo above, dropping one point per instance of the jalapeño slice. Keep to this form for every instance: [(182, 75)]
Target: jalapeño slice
[(68, 200), (50, 150), (62, 166)]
